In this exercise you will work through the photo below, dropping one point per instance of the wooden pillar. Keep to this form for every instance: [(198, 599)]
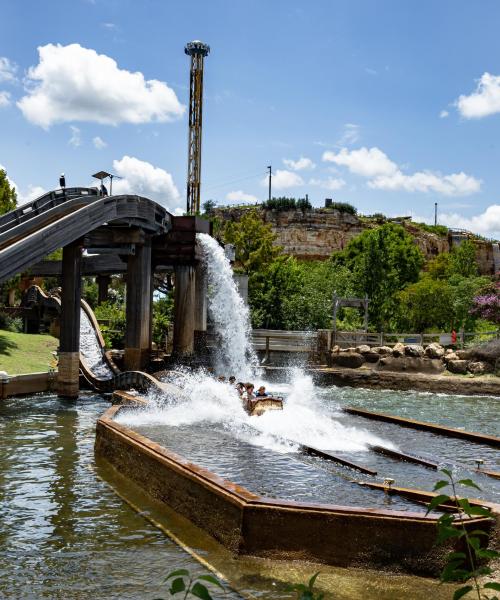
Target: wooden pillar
[(138, 309), (184, 310), (103, 282), (200, 315), (69, 341)]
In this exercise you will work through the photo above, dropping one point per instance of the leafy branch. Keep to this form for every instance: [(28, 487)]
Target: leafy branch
[(464, 567)]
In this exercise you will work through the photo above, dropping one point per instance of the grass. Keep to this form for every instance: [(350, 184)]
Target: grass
[(25, 352)]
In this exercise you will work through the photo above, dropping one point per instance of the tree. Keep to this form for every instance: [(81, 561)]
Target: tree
[(208, 207), (426, 304), (8, 195), (253, 241), (463, 260), (383, 261)]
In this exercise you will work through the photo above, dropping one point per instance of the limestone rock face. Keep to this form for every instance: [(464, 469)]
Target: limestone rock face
[(414, 350), (349, 360), (398, 349), (434, 351), (457, 366)]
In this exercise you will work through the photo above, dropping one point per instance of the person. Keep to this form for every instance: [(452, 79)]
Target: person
[(248, 396), (261, 392), (232, 380), (240, 387), (62, 181), (104, 191), (221, 378), (453, 337)]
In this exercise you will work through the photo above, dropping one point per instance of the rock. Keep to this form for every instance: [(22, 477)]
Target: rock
[(371, 357), (383, 350), (462, 354), (349, 360), (450, 356), (363, 349), (335, 349), (458, 367), (449, 351), (478, 367), (414, 350), (398, 349), (410, 364), (434, 351)]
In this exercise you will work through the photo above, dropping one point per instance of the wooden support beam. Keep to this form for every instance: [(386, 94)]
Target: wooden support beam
[(109, 236), (138, 309), (69, 341), (184, 310)]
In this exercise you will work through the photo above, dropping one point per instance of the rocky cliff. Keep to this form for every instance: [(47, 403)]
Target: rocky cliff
[(314, 234)]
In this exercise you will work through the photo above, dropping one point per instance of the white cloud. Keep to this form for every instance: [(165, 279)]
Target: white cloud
[(241, 196), (4, 99), (486, 223), (99, 143), (283, 179), (484, 101), (75, 140), (299, 165), (350, 135), (385, 174), (368, 162), (7, 70), (443, 114), (33, 191), (72, 83), (331, 183), (144, 179)]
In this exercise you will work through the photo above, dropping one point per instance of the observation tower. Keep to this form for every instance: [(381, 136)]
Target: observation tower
[(197, 51)]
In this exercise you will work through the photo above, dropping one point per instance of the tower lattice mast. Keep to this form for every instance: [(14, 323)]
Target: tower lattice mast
[(197, 51)]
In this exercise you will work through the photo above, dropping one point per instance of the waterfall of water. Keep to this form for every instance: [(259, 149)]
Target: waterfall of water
[(91, 350), (228, 312)]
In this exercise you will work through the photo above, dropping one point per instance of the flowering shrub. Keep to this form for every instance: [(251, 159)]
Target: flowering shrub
[(487, 306)]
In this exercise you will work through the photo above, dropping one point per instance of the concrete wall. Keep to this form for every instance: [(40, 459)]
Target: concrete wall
[(31, 383), (250, 524)]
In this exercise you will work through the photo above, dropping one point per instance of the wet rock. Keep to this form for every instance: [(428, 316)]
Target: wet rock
[(478, 367), (363, 349), (458, 367), (434, 351), (414, 350), (398, 349), (349, 360)]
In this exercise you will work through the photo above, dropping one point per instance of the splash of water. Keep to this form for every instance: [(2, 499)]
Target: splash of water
[(228, 312), (90, 349)]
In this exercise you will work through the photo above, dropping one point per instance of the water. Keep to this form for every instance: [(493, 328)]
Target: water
[(228, 312), (66, 534), (91, 350)]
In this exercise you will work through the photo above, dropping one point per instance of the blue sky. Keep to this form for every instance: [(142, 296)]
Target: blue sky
[(388, 105)]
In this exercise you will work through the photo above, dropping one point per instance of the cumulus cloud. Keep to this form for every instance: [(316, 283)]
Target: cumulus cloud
[(443, 114), (73, 83), (484, 101), (301, 164), (384, 174), (75, 140), (4, 99), (331, 183), (241, 196), (7, 70), (283, 179), (368, 162), (99, 143), (486, 223), (144, 179)]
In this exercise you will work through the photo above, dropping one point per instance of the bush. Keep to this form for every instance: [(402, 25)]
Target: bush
[(113, 331), (440, 230), (14, 324), (344, 207)]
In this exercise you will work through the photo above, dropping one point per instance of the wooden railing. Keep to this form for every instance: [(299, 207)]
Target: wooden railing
[(273, 340)]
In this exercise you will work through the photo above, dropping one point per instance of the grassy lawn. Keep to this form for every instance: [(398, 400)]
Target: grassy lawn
[(25, 352)]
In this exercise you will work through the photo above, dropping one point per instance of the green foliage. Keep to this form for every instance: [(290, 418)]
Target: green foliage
[(90, 291), (344, 207), (306, 592), (253, 241), (163, 311), (8, 195), (465, 566), (208, 207), (283, 203), (382, 261), (463, 259), (182, 582), (8, 323), (113, 330), (440, 230), (425, 305)]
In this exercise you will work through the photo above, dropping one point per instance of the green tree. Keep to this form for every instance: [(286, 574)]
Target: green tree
[(8, 195), (463, 260), (253, 241), (383, 261), (425, 305)]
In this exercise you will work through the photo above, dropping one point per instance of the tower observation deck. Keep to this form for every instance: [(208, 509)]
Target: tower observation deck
[(197, 51)]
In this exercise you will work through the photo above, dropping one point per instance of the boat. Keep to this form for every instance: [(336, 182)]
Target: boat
[(261, 405)]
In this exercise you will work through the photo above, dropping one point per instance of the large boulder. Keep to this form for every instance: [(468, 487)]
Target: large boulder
[(409, 364), (398, 350), (450, 356), (363, 349), (479, 367), (348, 360), (371, 356), (434, 351), (459, 367), (383, 350), (414, 350)]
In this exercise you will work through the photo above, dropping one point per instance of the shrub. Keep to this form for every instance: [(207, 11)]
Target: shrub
[(344, 207)]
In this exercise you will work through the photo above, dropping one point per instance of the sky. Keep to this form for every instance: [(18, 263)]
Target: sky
[(391, 106)]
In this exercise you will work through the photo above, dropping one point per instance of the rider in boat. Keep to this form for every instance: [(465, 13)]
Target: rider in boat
[(261, 392), (248, 396)]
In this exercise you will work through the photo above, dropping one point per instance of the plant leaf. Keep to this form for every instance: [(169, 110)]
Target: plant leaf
[(473, 510), (436, 501), (447, 472), (485, 553), (492, 585), (440, 484), (177, 586), (178, 573), (469, 483), (211, 579), (462, 591), (200, 591), (313, 580), (445, 533), (456, 555)]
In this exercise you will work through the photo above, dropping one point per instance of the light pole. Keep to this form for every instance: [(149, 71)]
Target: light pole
[(270, 177)]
